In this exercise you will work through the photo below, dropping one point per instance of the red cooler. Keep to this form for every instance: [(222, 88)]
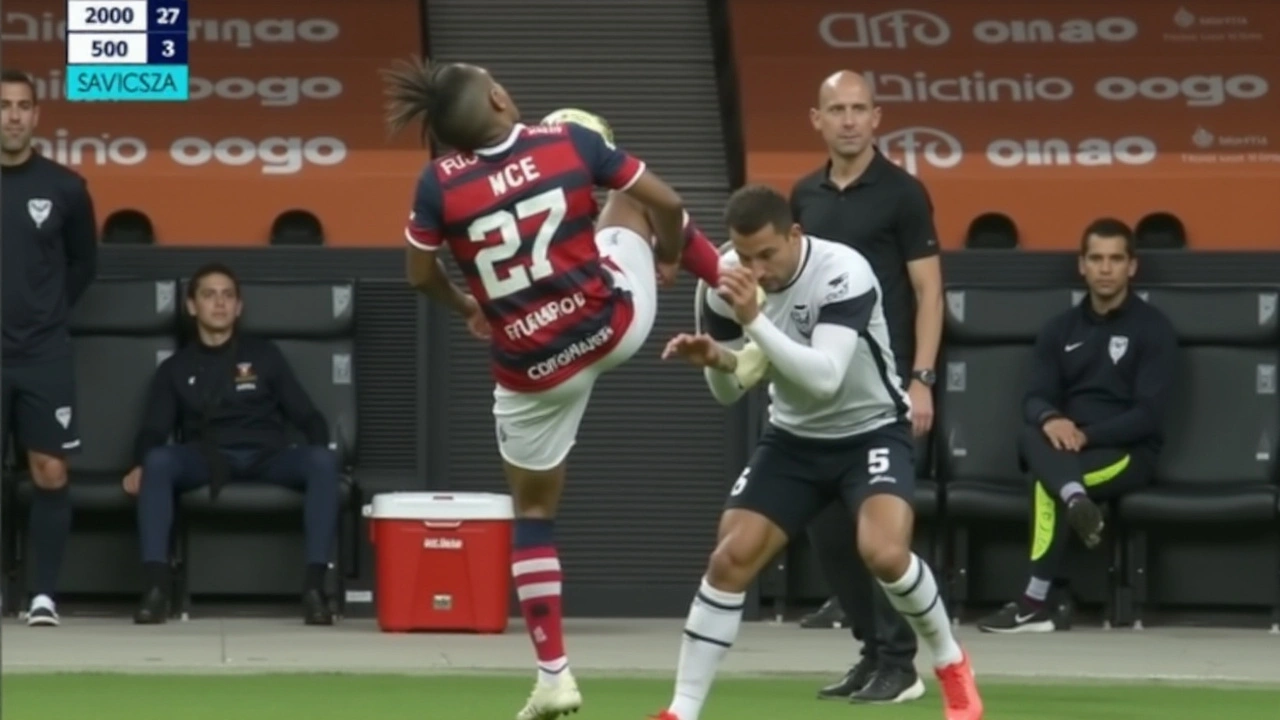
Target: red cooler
[(443, 561)]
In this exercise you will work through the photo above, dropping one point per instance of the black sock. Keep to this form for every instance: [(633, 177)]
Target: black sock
[(50, 527), (315, 576)]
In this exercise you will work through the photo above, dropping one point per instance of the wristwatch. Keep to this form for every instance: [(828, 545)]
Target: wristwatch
[(928, 377)]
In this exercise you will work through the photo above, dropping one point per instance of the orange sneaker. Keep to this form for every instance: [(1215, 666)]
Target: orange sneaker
[(960, 691), (664, 715)]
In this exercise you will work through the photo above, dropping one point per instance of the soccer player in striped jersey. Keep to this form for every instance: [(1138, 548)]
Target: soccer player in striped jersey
[(839, 426), (563, 295)]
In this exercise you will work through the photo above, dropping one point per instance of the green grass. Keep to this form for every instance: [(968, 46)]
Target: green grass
[(470, 697)]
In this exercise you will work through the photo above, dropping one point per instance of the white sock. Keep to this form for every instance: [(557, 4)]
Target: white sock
[(915, 595), (549, 673), (714, 619)]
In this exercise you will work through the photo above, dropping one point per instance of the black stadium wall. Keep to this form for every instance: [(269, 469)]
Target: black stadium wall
[(655, 459)]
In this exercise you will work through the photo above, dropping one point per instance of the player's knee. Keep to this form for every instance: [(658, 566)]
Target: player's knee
[(886, 558), (48, 472), (732, 565)]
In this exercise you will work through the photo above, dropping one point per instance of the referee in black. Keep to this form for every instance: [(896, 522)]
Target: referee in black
[(49, 246), (861, 198)]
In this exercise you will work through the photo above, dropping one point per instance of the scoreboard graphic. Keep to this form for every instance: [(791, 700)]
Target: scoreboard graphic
[(127, 51)]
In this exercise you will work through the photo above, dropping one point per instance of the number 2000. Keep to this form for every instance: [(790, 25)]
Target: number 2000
[(506, 224), (108, 15)]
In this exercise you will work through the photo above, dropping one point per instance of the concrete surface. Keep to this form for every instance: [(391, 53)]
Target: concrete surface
[(611, 646)]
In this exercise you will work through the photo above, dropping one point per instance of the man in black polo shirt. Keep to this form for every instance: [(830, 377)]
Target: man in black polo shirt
[(1101, 381), (50, 255), (864, 200)]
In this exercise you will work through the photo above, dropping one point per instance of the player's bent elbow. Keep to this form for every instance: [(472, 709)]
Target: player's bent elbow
[(825, 387)]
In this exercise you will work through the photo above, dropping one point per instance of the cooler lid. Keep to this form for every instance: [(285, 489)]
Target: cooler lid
[(439, 506)]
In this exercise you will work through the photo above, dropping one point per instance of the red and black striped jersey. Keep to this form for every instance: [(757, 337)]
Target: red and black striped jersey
[(518, 218)]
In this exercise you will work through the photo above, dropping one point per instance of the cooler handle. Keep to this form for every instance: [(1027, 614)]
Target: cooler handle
[(449, 525)]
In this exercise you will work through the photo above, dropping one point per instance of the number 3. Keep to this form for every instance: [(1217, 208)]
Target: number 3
[(168, 48), (507, 225), (878, 461)]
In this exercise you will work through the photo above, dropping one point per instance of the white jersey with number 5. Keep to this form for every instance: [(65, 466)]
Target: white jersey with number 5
[(835, 284)]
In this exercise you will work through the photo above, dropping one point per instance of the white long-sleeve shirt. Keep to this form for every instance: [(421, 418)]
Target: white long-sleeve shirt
[(832, 373)]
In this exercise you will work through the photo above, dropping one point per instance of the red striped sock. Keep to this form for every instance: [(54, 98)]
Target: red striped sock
[(538, 580), (701, 258)]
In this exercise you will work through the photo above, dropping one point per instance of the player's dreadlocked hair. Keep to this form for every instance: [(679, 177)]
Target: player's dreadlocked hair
[(450, 101)]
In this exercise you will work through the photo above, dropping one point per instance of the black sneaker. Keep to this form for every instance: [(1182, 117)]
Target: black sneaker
[(315, 608), (852, 682), (153, 609), (828, 616), (1018, 618), (1086, 518), (889, 685)]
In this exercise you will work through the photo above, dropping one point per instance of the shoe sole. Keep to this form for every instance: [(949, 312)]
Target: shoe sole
[(1086, 519), (550, 714), (1042, 626), (42, 622), (914, 692)]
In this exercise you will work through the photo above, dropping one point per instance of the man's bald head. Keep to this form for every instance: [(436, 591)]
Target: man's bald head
[(846, 114), (844, 82)]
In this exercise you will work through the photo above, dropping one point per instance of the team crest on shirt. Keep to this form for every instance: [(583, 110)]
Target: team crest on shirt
[(245, 377), (802, 318), (838, 288), (39, 209), (1118, 347)]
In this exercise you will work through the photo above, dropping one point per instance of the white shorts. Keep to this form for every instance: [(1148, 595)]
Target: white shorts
[(536, 431)]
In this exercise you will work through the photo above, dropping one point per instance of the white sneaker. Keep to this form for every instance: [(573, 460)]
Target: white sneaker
[(43, 612), (548, 702)]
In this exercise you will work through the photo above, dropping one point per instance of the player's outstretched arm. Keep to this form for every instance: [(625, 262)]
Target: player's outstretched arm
[(427, 275), (666, 210), (719, 364)]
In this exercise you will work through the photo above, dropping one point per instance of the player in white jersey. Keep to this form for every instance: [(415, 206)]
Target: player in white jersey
[(839, 423)]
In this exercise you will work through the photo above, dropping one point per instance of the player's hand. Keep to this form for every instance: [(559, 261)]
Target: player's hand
[(133, 481), (667, 274), (921, 408), (1063, 435), (699, 350), (739, 288), (477, 324)]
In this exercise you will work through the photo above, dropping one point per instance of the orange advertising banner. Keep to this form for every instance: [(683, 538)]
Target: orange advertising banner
[(1052, 113), (285, 112)]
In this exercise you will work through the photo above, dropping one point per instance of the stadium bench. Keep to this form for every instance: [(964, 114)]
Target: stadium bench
[(1217, 470), (989, 333)]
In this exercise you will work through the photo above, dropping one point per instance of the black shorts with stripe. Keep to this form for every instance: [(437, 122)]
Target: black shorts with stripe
[(790, 479)]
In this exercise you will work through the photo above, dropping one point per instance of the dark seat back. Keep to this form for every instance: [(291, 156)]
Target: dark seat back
[(128, 227), (988, 336), (1160, 231), (992, 231), (1224, 420), (121, 330), (314, 326), (297, 227)]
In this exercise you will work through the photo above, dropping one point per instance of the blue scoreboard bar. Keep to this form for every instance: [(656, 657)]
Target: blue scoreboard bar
[(127, 50)]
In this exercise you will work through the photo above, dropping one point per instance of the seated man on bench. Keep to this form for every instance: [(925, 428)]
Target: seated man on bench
[(229, 399), (1102, 378)]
